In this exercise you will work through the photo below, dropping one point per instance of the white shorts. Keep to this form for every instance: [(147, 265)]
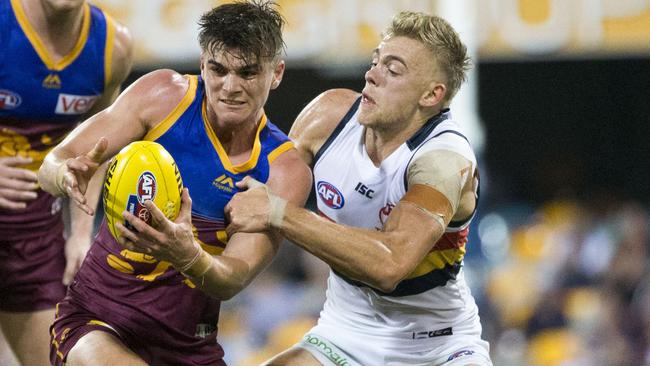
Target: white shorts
[(454, 350)]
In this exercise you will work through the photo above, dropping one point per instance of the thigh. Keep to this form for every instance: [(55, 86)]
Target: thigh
[(294, 356), (28, 335), (99, 348)]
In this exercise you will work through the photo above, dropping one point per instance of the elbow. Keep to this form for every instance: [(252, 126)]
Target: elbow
[(226, 293), (389, 277)]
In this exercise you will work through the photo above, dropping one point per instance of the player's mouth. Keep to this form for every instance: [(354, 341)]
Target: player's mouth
[(366, 99), (232, 102)]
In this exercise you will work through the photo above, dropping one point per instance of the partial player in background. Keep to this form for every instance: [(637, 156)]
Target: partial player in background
[(154, 296), (60, 61), (397, 186)]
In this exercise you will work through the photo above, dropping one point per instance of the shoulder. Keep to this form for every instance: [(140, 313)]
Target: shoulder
[(319, 118), (122, 53), (153, 96)]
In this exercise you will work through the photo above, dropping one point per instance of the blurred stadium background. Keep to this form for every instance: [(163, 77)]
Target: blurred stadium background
[(558, 109)]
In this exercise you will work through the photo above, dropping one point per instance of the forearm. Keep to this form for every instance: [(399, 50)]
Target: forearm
[(369, 256), (225, 277)]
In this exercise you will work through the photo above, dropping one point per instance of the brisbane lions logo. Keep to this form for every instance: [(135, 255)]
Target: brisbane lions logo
[(330, 195)]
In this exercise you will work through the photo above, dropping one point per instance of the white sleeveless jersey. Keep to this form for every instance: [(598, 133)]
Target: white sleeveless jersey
[(434, 300)]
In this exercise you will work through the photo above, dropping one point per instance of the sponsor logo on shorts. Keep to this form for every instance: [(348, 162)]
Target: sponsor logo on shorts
[(432, 333), (203, 330), (9, 99), (74, 104), (462, 352), (330, 195), (327, 350)]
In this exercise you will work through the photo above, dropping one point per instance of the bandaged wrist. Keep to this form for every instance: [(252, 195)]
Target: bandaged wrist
[(277, 206), (199, 267), (60, 175)]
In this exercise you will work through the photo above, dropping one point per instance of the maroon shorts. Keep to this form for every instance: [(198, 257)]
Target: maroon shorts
[(73, 321), (31, 271)]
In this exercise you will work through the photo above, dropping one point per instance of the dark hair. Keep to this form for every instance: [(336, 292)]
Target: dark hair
[(252, 28)]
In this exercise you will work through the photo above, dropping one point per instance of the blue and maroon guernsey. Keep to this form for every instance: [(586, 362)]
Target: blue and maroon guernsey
[(142, 298), (41, 99)]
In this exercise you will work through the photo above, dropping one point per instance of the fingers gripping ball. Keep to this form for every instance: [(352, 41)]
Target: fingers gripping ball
[(142, 170)]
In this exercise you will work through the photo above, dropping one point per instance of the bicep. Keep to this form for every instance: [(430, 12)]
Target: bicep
[(290, 178)]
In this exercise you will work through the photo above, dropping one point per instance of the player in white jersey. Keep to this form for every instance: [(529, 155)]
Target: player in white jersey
[(397, 186)]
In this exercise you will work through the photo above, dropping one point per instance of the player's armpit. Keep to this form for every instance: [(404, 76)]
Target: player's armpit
[(436, 180)]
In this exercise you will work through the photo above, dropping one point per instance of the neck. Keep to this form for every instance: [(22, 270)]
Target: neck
[(381, 141), (58, 27), (236, 139)]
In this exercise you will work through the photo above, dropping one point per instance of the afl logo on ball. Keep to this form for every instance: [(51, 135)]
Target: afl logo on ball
[(330, 195), (146, 187)]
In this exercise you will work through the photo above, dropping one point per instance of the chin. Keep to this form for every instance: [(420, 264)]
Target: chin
[(365, 118), (63, 5)]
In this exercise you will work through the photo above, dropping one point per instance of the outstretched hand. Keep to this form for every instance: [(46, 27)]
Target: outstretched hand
[(17, 184), (165, 240), (79, 171)]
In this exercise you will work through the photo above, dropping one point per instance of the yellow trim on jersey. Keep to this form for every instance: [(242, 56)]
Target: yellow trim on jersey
[(223, 156), (279, 150), (38, 45), (108, 49), (437, 260), (99, 322), (173, 116)]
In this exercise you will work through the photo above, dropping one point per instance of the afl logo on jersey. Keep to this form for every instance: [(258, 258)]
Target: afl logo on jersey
[(330, 195), (9, 99), (146, 187)]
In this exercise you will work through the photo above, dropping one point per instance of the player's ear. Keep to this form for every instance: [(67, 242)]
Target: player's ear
[(202, 64), (278, 72), (434, 94)]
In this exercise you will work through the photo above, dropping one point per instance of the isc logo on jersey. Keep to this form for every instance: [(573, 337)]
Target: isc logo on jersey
[(141, 171), (74, 104), (330, 195)]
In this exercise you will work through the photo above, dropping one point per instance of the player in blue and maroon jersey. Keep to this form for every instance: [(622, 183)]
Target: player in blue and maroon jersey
[(59, 63), (153, 296)]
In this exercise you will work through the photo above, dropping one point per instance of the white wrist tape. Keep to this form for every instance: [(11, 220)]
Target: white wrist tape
[(277, 207), (58, 182)]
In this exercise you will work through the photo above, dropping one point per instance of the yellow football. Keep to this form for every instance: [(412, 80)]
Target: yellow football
[(141, 171)]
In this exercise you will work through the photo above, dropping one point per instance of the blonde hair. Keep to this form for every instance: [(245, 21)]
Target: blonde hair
[(443, 41)]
